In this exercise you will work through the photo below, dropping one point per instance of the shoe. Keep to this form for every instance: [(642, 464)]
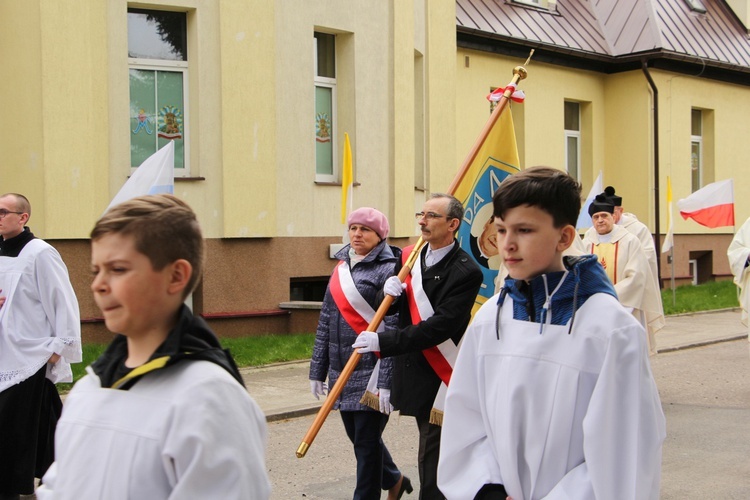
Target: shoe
[(405, 486)]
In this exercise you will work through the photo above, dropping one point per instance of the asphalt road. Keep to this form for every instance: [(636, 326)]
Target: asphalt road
[(705, 392)]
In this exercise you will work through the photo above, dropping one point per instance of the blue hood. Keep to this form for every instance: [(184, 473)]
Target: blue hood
[(560, 293)]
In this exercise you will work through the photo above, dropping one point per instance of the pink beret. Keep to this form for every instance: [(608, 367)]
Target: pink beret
[(374, 219)]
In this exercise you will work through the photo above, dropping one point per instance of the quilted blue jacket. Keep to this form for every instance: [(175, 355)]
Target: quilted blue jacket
[(334, 337)]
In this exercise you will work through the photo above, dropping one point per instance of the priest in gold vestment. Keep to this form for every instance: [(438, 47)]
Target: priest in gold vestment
[(626, 265)]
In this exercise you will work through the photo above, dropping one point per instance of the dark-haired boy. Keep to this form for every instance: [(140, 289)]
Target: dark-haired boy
[(163, 413), (552, 395)]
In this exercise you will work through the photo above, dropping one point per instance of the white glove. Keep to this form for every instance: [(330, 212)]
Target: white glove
[(393, 286), (318, 388), (384, 395), (367, 342)]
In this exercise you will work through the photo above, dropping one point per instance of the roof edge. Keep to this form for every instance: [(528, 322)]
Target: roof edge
[(473, 39)]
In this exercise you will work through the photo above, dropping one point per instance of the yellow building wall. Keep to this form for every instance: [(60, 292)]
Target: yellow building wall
[(249, 93), (203, 188), (440, 80), (628, 129), (21, 138), (55, 146), (729, 153), (376, 44), (249, 135), (402, 95), (305, 207)]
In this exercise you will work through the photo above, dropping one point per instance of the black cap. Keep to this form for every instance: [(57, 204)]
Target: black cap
[(609, 192), (601, 204)]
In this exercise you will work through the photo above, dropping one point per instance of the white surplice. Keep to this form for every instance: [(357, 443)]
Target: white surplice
[(557, 415), (40, 316), (634, 281), (640, 230), (738, 253)]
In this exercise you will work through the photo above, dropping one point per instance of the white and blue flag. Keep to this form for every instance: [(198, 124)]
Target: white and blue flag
[(154, 176)]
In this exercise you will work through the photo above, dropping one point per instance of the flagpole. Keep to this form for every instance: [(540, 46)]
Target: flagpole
[(519, 73), (671, 262)]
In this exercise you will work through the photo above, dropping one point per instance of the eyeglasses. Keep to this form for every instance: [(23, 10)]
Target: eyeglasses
[(430, 216), (4, 212)]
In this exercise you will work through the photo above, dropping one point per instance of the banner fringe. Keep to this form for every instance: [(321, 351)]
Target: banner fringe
[(436, 417), (371, 400)]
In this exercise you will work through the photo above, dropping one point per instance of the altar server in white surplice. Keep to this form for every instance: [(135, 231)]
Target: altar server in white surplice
[(739, 260), (552, 395), (40, 335)]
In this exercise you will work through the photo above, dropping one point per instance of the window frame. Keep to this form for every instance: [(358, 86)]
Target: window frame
[(173, 66), (548, 5), (696, 140), (696, 6), (330, 83), (576, 135)]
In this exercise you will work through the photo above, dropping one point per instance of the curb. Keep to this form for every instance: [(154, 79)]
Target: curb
[(288, 414), (709, 311), (701, 344)]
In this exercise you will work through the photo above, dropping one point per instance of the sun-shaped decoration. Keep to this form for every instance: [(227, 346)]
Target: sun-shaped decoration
[(322, 127), (170, 122)]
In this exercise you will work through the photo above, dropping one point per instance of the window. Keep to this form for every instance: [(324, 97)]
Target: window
[(696, 149), (550, 5), (420, 172), (573, 139), (158, 64), (325, 108), (311, 289), (696, 6)]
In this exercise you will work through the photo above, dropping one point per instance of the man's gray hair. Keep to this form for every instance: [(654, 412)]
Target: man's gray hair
[(455, 208)]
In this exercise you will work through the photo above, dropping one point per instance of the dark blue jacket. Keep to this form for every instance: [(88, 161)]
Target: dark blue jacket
[(334, 337)]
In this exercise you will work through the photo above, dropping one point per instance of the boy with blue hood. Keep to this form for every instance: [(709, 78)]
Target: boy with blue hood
[(552, 395)]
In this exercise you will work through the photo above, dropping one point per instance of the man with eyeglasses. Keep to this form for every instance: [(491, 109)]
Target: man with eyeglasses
[(433, 315), (40, 335)]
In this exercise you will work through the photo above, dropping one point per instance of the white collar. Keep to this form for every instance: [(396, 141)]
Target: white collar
[(432, 257)]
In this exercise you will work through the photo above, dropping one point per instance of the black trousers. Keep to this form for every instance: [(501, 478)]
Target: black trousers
[(375, 468), (28, 417), (429, 452)]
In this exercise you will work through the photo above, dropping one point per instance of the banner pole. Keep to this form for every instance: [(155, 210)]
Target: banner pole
[(519, 73)]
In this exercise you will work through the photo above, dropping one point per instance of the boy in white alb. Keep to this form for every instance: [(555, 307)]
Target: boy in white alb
[(552, 394), (163, 413), (738, 254)]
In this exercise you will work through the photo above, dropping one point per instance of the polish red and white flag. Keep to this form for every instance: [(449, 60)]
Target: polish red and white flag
[(710, 206)]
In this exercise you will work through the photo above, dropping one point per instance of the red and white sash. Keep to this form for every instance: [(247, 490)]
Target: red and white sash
[(358, 314), (353, 307), (442, 357)]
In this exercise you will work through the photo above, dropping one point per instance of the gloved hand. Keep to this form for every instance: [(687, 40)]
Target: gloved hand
[(384, 395), (367, 342), (393, 286), (318, 388)]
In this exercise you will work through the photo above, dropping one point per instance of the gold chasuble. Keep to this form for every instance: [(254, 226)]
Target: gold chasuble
[(607, 255), (627, 267)]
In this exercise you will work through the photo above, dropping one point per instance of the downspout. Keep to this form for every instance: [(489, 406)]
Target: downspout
[(644, 66)]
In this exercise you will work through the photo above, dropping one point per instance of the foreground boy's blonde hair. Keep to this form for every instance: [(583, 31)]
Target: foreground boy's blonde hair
[(164, 229)]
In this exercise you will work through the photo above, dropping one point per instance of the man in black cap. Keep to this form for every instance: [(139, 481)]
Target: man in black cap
[(637, 228), (626, 265)]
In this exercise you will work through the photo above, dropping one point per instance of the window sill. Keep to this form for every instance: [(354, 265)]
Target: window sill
[(189, 179), (301, 304), (321, 183)]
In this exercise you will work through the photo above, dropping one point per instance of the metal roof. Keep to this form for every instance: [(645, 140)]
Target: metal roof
[(611, 30)]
